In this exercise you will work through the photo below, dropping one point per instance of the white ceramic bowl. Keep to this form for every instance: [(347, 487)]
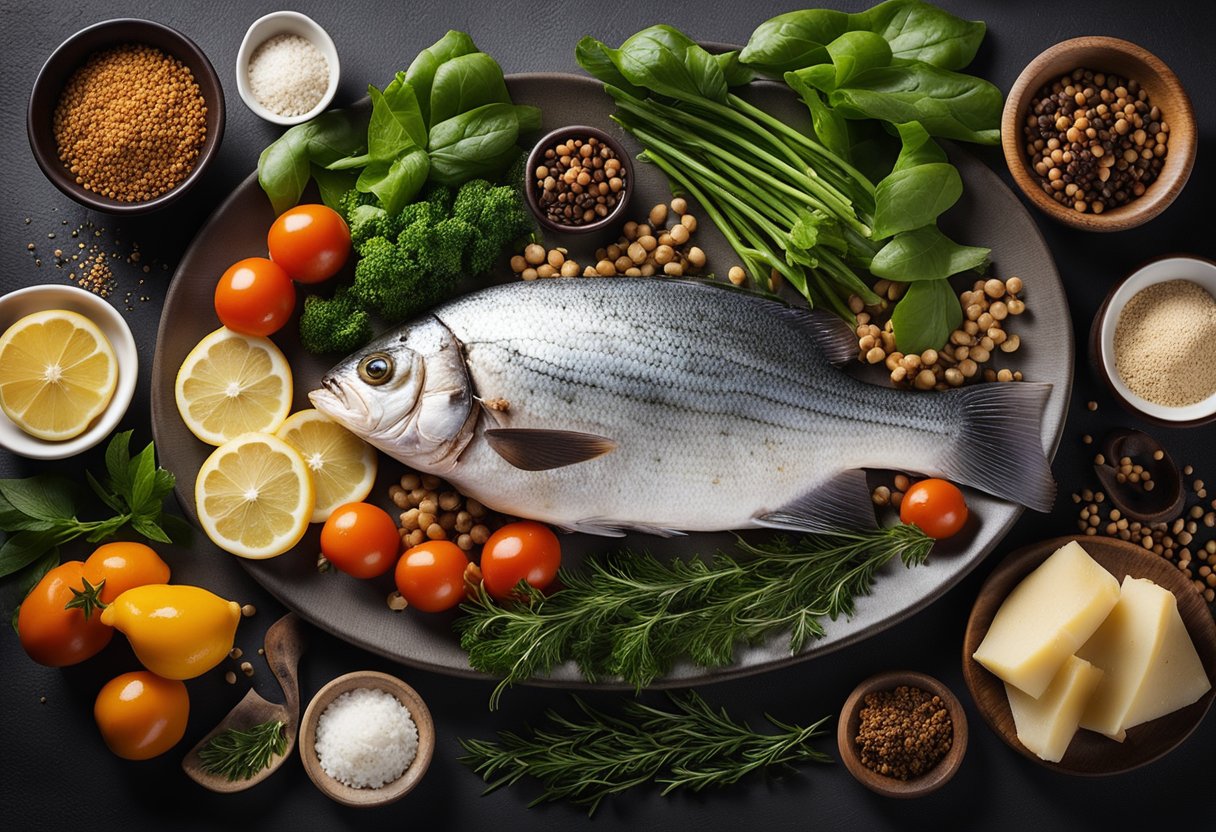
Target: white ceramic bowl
[(286, 23), (1194, 269), (18, 304)]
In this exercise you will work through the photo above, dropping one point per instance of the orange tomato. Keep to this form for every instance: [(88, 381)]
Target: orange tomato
[(936, 506), (141, 715), (361, 540), (430, 576), (524, 551), (125, 565), (311, 242), (255, 297), (53, 634)]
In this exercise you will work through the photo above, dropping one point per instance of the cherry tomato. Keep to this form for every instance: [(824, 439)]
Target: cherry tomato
[(141, 715), (311, 242), (936, 506), (361, 539), (524, 551), (430, 576), (53, 634), (255, 297), (125, 565)]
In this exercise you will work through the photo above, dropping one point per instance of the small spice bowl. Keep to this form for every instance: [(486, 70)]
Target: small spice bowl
[(850, 719), (27, 301), (1111, 55), (537, 158), (1102, 338), (286, 23), (390, 792), (73, 52)]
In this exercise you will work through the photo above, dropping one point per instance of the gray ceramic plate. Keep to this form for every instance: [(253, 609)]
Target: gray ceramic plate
[(988, 214)]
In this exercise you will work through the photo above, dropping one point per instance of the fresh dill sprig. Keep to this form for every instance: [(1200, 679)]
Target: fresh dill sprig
[(632, 616), (238, 755), (588, 757)]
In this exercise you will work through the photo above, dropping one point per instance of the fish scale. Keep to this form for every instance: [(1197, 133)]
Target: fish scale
[(721, 407)]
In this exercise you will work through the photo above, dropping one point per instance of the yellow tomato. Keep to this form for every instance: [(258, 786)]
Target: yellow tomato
[(177, 632), (141, 715)]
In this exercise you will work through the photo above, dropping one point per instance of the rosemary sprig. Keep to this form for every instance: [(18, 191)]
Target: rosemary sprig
[(588, 757), (238, 755), (632, 616)]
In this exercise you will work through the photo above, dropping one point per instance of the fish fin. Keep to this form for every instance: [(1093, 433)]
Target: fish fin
[(843, 502), (999, 443), (591, 527), (531, 449), (611, 528), (835, 337)]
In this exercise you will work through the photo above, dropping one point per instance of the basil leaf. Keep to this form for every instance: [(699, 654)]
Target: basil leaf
[(143, 478), (925, 254), (914, 197), (925, 316), (421, 73), (23, 548), (465, 83), (395, 182), (118, 458), (149, 529), (43, 497), (283, 168), (106, 497)]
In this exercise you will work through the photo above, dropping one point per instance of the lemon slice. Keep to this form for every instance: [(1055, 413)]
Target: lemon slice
[(343, 466), (57, 374), (254, 496), (231, 384)]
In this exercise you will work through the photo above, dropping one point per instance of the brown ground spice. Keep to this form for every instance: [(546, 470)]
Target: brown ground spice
[(903, 732), (130, 123)]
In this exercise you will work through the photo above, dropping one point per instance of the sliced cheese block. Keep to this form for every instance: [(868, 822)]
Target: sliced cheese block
[(1052, 612), (1151, 665), (1046, 725)]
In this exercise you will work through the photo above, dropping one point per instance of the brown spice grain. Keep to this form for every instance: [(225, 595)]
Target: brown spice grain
[(903, 733)]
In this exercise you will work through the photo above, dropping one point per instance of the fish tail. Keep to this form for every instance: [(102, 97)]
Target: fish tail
[(999, 448)]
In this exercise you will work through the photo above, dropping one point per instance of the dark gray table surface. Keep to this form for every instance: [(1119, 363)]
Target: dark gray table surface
[(55, 773)]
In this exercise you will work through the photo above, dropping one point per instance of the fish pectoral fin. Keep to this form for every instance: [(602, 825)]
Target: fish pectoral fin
[(531, 449), (613, 528), (835, 337), (842, 502)]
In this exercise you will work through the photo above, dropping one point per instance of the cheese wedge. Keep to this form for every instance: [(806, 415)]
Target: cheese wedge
[(1046, 725), (1151, 667), (1052, 612)]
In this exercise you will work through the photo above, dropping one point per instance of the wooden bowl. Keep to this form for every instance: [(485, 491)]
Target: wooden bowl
[(75, 51), (850, 718), (390, 792), (1134, 63), (1091, 754), (536, 158)]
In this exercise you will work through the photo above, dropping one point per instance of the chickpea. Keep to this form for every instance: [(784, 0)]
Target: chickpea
[(736, 275), (612, 252), (994, 288), (680, 234), (647, 270), (673, 269), (569, 269), (647, 242), (689, 222), (534, 254), (605, 268), (665, 239), (637, 253), (623, 262), (545, 270), (663, 255), (518, 264), (556, 258), (631, 230), (658, 214), (529, 274), (696, 257), (633, 271)]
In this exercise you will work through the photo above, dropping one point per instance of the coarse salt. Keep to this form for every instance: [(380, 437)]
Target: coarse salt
[(288, 75), (366, 738)]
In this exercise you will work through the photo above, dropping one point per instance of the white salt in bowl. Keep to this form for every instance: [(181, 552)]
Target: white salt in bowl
[(286, 23), (1102, 339)]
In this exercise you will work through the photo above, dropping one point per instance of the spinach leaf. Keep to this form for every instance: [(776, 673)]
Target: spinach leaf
[(918, 147), (668, 62), (915, 196), (925, 254), (596, 58), (465, 83), (735, 73), (395, 182), (333, 184), (478, 142), (829, 126), (794, 40), (421, 73), (396, 126), (925, 316), (854, 53), (284, 166)]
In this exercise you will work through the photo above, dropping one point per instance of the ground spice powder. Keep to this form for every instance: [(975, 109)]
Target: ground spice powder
[(902, 733), (1165, 343)]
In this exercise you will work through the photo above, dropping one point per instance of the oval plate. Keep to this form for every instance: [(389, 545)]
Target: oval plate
[(987, 214)]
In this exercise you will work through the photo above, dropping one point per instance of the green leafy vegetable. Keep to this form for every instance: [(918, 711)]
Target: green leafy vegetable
[(466, 83), (593, 755), (925, 316), (915, 197), (238, 755), (925, 254), (421, 73), (285, 166), (478, 143), (632, 615)]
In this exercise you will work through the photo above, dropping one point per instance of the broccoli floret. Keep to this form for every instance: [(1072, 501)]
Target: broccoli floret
[(366, 222), (387, 281), (498, 215), (339, 324), (440, 198), (470, 200), (352, 199)]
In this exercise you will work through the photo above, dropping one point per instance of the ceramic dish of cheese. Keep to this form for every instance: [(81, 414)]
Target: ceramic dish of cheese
[(1090, 656)]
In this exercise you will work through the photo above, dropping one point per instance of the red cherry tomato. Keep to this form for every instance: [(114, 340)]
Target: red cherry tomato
[(361, 540), (524, 551), (936, 506), (430, 576), (311, 242), (255, 297)]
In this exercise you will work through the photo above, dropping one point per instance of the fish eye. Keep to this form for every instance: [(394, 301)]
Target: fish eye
[(376, 368)]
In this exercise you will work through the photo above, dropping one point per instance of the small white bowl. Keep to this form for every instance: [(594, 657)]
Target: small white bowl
[(18, 304), (285, 23), (1180, 267)]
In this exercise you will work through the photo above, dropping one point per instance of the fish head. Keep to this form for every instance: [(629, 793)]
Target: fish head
[(408, 393)]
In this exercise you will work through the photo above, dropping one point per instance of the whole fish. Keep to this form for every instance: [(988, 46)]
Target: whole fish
[(663, 406)]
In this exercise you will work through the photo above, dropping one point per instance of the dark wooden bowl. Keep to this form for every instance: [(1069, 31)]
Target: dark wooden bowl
[(1132, 62), (850, 718), (75, 51), (1090, 753), (536, 157)]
